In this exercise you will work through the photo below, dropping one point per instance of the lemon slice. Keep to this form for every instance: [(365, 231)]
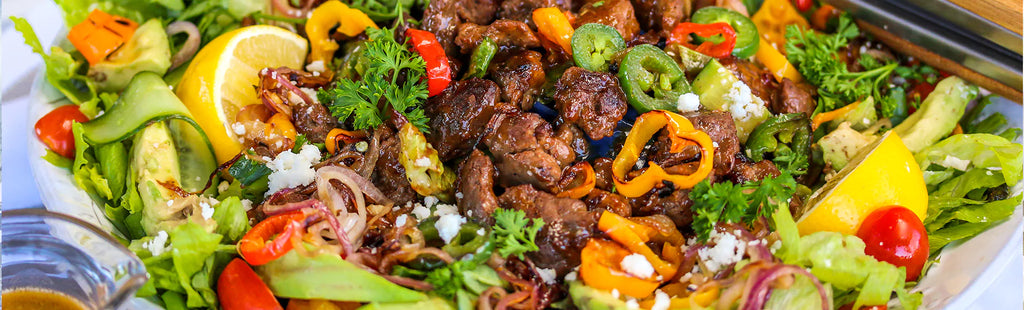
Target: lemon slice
[(883, 173), (222, 77)]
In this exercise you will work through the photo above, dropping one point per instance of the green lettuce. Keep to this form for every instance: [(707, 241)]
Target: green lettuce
[(62, 71), (232, 221), (839, 260), (76, 11), (188, 267)]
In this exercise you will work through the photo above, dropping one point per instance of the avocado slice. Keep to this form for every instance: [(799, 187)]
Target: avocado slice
[(295, 275), (589, 298), (938, 114), (147, 50), (689, 60), (434, 303), (840, 145), (155, 162), (719, 89), (862, 117)]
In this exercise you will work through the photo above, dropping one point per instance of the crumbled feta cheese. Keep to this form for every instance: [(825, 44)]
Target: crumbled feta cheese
[(571, 276), (742, 103), (420, 212), (311, 93), (469, 213), (661, 301), (238, 128), (316, 66), (291, 169), (728, 250), (422, 162), (445, 209), (615, 293), (547, 274), (157, 245), (429, 201), (400, 220), (481, 231), (448, 226), (458, 195), (223, 186), (688, 102), (637, 265), (955, 163), (632, 304), (205, 210), (246, 204)]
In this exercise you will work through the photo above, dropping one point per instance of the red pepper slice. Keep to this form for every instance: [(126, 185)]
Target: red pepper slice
[(681, 35), (439, 73), (256, 246), (54, 129)]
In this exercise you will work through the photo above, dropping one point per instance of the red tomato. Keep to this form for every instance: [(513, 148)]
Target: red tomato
[(895, 235), (239, 288), (54, 129)]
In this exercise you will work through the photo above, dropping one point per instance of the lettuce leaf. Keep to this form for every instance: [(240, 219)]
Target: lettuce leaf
[(76, 11), (188, 266), (232, 221), (62, 71), (982, 150)]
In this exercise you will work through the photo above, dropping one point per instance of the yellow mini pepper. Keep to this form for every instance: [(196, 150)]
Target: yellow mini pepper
[(777, 63), (554, 25), (349, 21), (681, 132), (772, 19)]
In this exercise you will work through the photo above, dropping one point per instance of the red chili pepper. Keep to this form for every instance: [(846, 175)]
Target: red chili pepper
[(803, 5), (681, 35), (439, 73), (256, 246), (54, 129)]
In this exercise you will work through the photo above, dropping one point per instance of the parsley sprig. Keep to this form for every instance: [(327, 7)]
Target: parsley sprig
[(393, 79), (817, 58), (725, 202)]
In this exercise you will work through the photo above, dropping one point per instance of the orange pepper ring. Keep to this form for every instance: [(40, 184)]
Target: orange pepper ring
[(589, 180), (257, 248), (643, 130)]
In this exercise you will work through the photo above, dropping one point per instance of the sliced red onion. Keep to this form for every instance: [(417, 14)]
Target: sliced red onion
[(758, 294), (271, 210), (410, 283), (284, 81), (191, 45), (343, 238), (372, 153)]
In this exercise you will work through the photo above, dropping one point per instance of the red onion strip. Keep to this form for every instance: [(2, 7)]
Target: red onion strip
[(191, 45), (759, 292)]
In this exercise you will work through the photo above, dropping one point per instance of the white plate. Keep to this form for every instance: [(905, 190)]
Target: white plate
[(963, 273)]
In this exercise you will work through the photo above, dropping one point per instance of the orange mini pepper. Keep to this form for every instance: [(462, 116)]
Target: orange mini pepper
[(600, 268), (100, 35), (824, 117), (589, 180), (333, 15), (772, 19), (777, 63), (555, 26), (634, 237), (681, 132), (280, 124)]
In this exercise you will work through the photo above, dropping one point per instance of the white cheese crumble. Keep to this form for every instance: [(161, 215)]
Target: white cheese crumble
[(688, 102), (742, 104), (458, 195), (615, 293), (205, 210), (637, 265), (955, 163), (571, 276), (481, 231), (661, 301), (420, 212), (291, 170), (448, 226), (728, 250), (632, 304), (157, 245), (316, 66), (547, 274), (246, 204), (238, 128), (429, 201), (422, 162), (400, 220), (223, 186), (445, 209), (311, 93)]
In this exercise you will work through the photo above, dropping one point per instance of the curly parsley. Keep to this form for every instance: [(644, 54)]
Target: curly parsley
[(393, 79), (513, 234), (725, 202)]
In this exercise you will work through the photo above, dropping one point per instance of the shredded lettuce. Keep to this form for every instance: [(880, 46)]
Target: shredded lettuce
[(839, 260), (968, 177)]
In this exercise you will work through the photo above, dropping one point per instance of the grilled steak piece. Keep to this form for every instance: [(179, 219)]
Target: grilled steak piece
[(591, 100), (459, 116), (567, 225)]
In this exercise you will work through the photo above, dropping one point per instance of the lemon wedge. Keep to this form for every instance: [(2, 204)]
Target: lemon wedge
[(883, 173), (222, 77)]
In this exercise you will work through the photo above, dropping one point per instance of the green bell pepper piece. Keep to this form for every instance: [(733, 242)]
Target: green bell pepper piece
[(594, 45), (481, 59), (651, 79), (786, 137), (747, 41)]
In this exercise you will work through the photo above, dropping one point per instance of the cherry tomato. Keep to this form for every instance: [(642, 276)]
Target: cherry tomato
[(802, 5), (239, 288), (895, 235), (54, 129)]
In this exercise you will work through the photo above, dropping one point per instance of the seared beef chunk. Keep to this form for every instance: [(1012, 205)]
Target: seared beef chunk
[(522, 10), (389, 174), (567, 225), (672, 203), (312, 120), (478, 11), (459, 116), (746, 171), (761, 82), (441, 17), (526, 151), (507, 34), (476, 183), (615, 13), (603, 172), (574, 138), (599, 200), (591, 100), (718, 125), (794, 98), (661, 15), (520, 77)]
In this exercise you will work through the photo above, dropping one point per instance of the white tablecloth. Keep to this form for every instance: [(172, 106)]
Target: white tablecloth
[(20, 66)]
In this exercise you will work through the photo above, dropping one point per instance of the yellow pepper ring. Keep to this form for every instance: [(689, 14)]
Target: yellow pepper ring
[(350, 22), (643, 130)]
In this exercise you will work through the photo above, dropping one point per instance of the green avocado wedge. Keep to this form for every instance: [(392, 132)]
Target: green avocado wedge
[(328, 276)]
